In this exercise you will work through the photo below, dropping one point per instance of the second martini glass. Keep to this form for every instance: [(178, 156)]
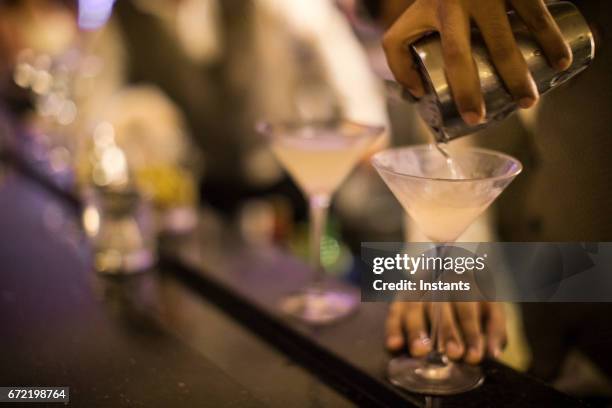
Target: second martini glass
[(443, 198), (319, 156)]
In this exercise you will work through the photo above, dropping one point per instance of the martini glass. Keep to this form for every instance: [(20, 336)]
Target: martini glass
[(319, 156), (443, 197)]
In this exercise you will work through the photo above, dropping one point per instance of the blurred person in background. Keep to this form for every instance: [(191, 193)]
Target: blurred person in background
[(250, 60), (264, 60), (564, 192), (206, 55)]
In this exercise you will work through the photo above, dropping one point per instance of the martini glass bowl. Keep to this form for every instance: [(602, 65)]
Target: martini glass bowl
[(443, 195), (319, 155)]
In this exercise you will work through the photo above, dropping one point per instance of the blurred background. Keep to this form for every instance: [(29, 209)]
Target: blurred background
[(160, 99), (141, 114)]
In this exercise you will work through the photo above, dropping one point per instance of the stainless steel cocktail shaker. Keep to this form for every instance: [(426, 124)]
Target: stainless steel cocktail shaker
[(438, 108)]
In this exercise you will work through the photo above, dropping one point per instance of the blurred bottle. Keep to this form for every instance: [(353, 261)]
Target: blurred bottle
[(165, 166), (117, 216), (125, 240)]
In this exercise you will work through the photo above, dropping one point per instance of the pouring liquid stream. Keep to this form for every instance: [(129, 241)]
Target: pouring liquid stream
[(454, 169)]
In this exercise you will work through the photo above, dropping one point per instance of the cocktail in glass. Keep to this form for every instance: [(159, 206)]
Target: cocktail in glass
[(319, 156), (443, 197)]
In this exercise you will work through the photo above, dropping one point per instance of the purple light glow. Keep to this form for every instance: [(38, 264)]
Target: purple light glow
[(93, 14)]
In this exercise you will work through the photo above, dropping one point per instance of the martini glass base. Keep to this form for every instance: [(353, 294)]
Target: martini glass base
[(320, 305), (421, 376)]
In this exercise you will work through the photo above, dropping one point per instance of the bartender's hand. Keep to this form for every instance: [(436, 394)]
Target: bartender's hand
[(451, 18), (468, 330)]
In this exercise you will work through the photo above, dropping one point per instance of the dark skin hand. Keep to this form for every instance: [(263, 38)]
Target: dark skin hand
[(452, 18), (467, 330)]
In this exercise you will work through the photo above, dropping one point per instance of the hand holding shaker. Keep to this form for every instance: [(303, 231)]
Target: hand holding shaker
[(438, 108)]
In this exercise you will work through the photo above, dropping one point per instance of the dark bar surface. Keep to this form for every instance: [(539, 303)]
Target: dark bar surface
[(202, 330), (249, 282), (138, 341)]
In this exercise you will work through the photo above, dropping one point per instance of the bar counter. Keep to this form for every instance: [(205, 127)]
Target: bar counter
[(202, 329)]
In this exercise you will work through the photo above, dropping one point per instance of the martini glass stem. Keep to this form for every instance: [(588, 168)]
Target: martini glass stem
[(319, 207), (436, 357), (436, 310), (435, 327)]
